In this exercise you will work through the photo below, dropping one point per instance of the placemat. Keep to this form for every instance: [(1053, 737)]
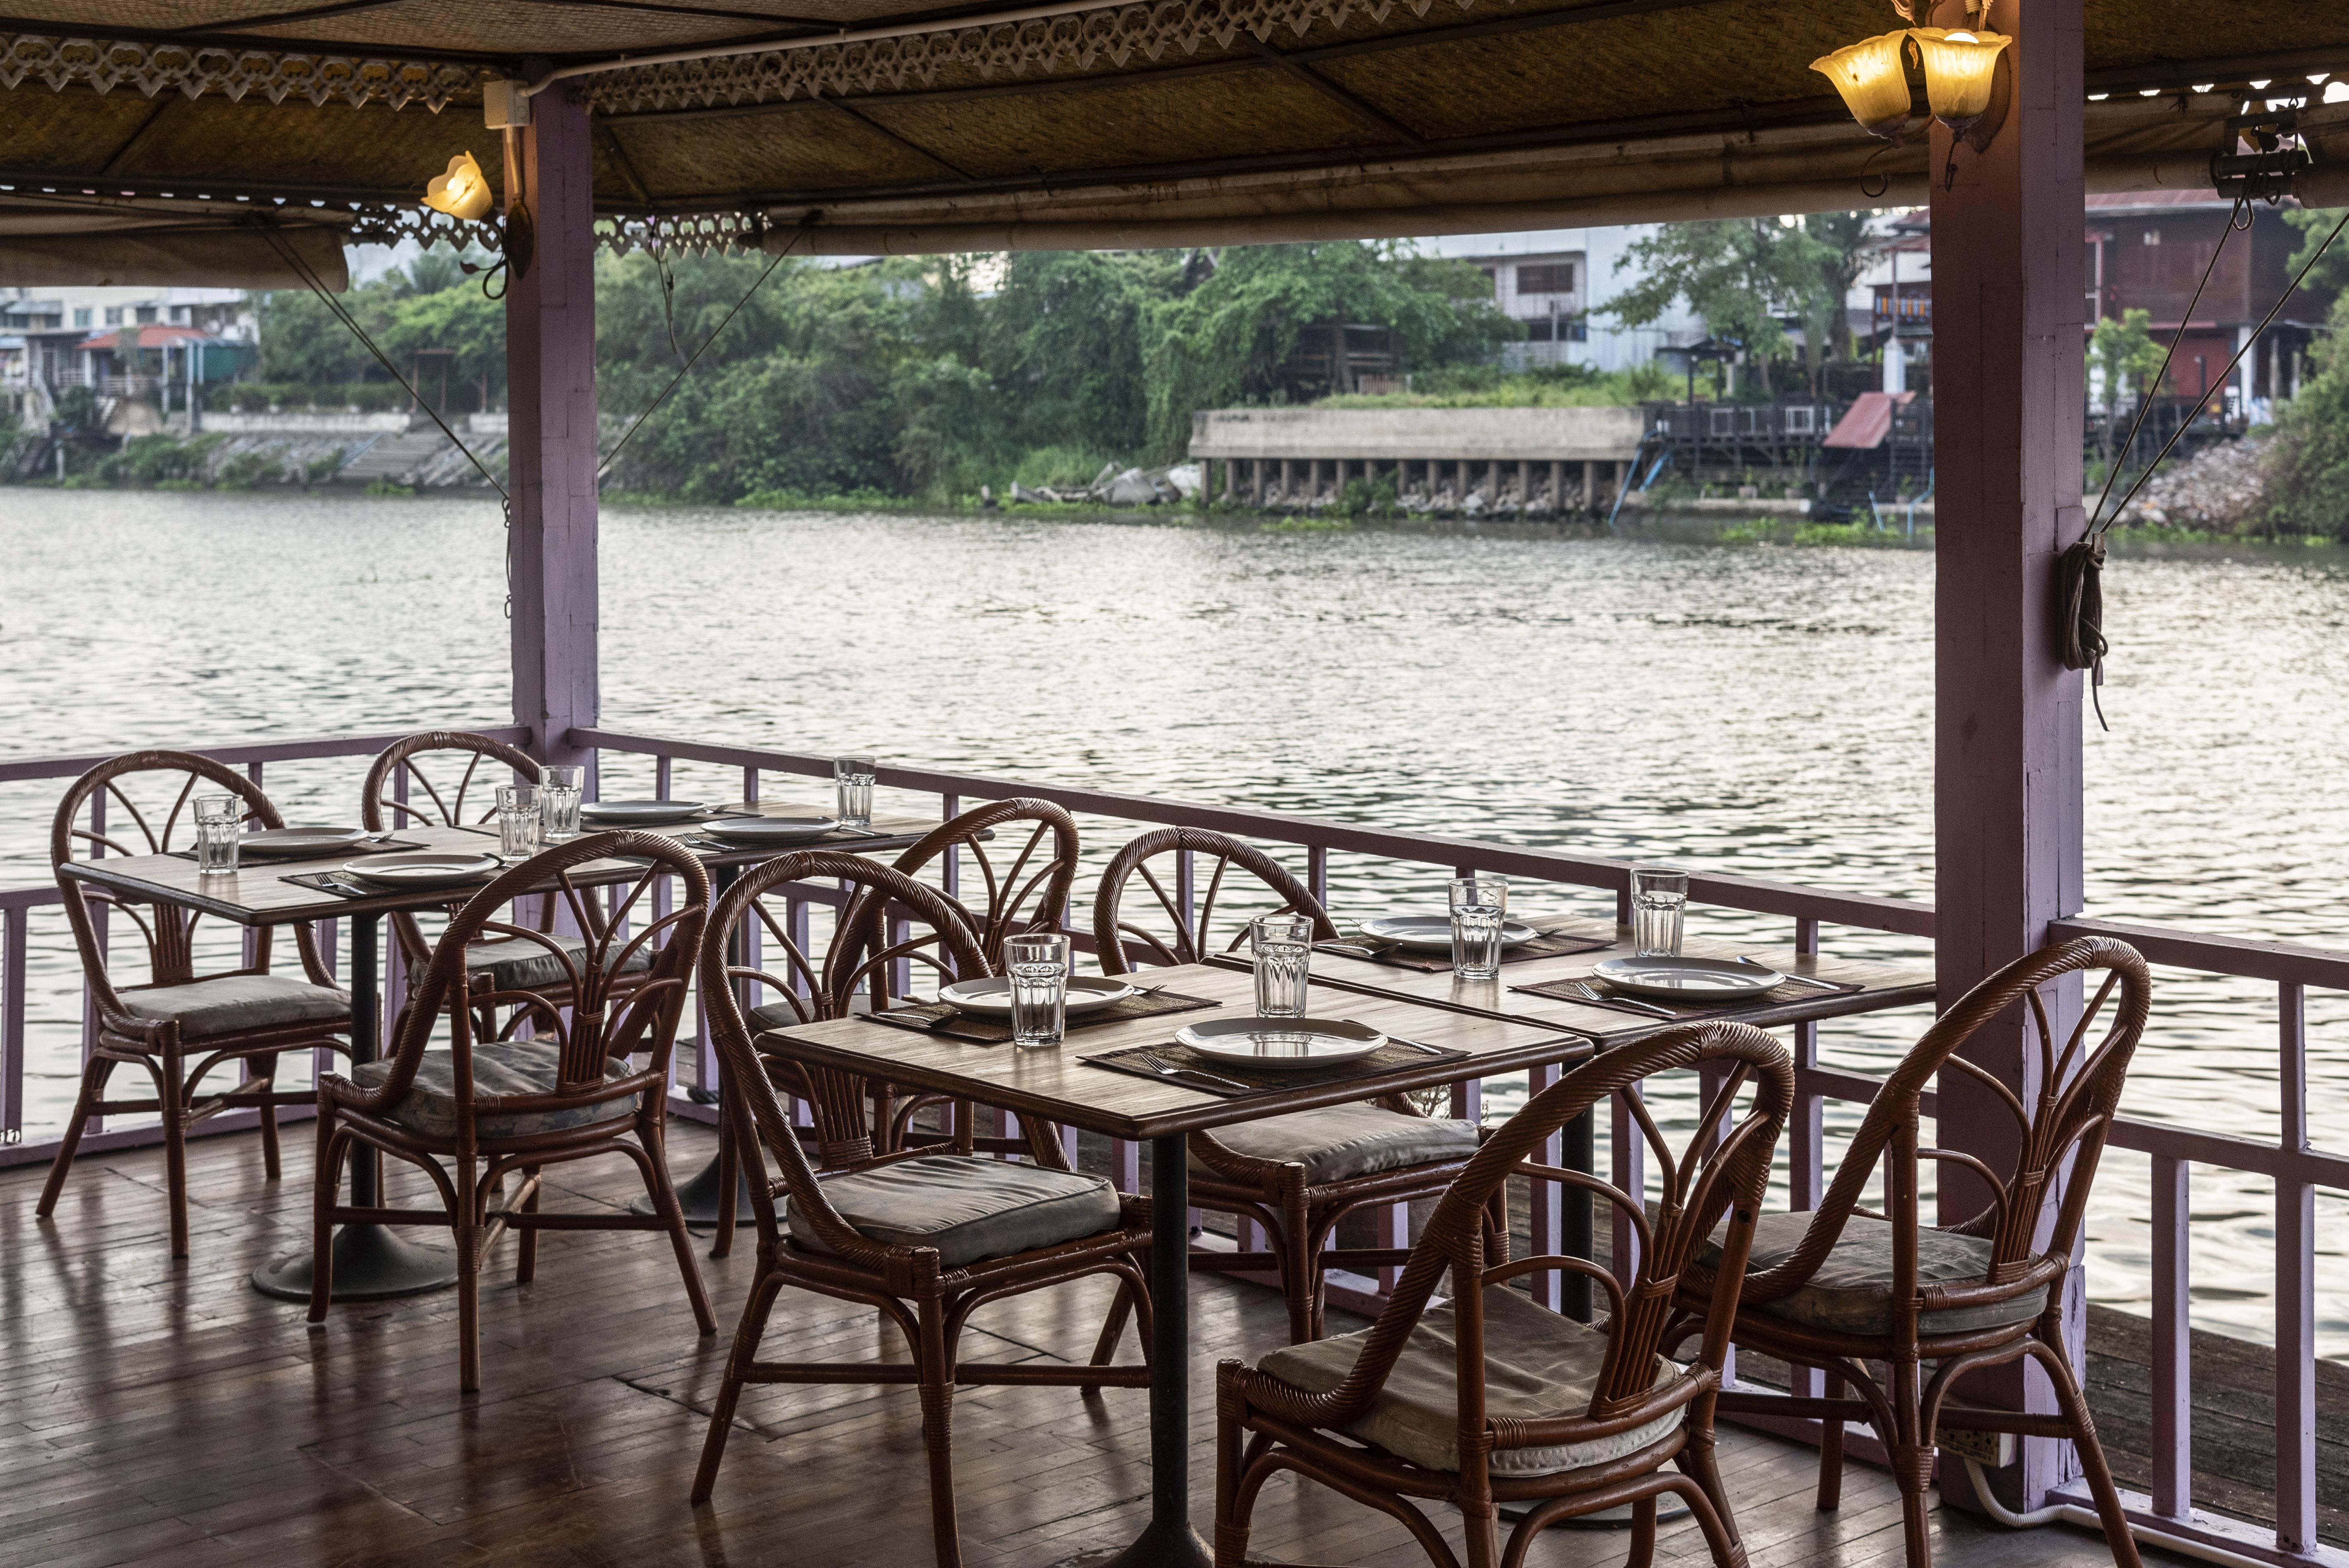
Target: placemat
[(327, 881), (831, 840), (1640, 1006), (1216, 1077), (266, 857), (707, 814), (1552, 945), (944, 1021)]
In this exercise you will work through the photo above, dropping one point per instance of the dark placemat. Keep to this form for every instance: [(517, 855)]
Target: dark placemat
[(1393, 1057), (938, 1018), (588, 824), (1552, 945), (327, 881), (264, 856), (834, 840), (1664, 1013)]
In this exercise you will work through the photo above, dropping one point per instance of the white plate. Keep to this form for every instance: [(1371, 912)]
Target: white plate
[(991, 998), (1282, 1045), (1433, 932), (771, 829), (1687, 979), (425, 868), (289, 842), (643, 813)]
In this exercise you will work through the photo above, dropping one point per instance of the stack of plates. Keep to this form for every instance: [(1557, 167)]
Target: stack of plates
[(300, 843), (1433, 932), (1282, 1045), (423, 869), (762, 831), (1687, 980), (640, 813), (991, 998)]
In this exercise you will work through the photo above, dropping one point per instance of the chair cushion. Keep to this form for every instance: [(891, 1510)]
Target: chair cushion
[(967, 1208), (772, 1015), (1852, 1290), (1339, 1141), (517, 963), (499, 1067), (1537, 1365), (233, 1004)]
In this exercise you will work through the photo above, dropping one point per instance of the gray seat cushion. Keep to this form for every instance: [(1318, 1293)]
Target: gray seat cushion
[(1537, 1365), (967, 1208), (499, 1067), (772, 1015), (517, 963), (1852, 1290), (233, 1004), (1339, 1141)]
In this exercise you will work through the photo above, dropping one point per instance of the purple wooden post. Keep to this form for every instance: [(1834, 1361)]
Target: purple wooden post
[(2008, 265), (550, 425), (2173, 1420), (2295, 1328)]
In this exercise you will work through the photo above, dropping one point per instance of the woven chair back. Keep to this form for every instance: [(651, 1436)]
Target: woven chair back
[(1177, 924)]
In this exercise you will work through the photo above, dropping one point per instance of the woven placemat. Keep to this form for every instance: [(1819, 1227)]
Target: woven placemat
[(1551, 944), (264, 856), (1663, 1013), (1218, 1079), (947, 1022)]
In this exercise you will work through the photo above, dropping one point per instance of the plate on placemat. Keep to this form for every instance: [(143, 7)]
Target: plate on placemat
[(991, 998), (641, 813), (757, 831), (290, 843), (429, 868), (1687, 979), (1426, 933), (1282, 1045)]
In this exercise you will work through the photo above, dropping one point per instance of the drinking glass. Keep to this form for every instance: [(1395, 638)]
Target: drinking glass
[(1283, 945), (1039, 970), (1659, 901), (853, 778), (518, 821), (1480, 906), (220, 823), (558, 803)]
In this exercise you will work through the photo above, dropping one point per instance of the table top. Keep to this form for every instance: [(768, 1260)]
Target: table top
[(1063, 1087), (257, 892)]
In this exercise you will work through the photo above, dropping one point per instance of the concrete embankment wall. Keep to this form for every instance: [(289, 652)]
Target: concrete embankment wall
[(1532, 462)]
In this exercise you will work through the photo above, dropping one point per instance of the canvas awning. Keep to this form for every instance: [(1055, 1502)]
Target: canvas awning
[(57, 238)]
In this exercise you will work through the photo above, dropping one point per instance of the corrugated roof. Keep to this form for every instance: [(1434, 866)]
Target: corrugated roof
[(1866, 422)]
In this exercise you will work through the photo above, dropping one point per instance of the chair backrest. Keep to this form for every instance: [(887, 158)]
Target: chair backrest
[(1166, 861), (1705, 1183), (614, 1010), (445, 775), (1023, 879), (139, 804), (817, 989), (2059, 1134)]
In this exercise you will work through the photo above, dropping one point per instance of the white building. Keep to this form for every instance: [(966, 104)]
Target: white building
[(1560, 283), (52, 337)]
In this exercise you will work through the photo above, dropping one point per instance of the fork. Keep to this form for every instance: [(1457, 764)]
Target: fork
[(1636, 1006), (1165, 1068)]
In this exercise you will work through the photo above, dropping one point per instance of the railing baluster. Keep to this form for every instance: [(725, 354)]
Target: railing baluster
[(1806, 1143), (16, 932), (1317, 874), (1627, 1170), (661, 778), (101, 924), (2295, 1297), (750, 786), (1546, 1219), (950, 863), (2173, 1419)]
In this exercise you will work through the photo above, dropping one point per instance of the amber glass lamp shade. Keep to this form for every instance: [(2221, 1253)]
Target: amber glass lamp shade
[(462, 192), (1959, 73), (1874, 87)]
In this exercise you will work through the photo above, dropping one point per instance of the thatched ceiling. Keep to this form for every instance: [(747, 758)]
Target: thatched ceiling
[(1149, 123)]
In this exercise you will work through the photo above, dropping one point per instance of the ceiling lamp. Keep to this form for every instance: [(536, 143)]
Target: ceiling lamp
[(462, 192), (1960, 73), (1874, 84)]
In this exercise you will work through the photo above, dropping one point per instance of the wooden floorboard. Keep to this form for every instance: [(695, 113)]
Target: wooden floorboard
[(153, 1413)]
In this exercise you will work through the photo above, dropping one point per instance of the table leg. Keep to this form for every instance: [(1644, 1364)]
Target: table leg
[(371, 1261), (1169, 1542), (1579, 1153)]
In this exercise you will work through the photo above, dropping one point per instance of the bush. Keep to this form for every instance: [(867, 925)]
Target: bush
[(2305, 487)]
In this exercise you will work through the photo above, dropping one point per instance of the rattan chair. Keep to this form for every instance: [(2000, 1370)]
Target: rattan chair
[(1843, 1288), (925, 1235), (1490, 1398), (245, 1016), (561, 1086), (1295, 1175)]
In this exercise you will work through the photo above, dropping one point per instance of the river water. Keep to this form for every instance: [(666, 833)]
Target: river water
[(1756, 710)]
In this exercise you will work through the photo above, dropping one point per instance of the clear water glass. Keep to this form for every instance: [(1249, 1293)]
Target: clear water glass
[(220, 823), (558, 803), (1283, 949), (1037, 968), (1659, 904), (852, 778), (1480, 907), (518, 821)]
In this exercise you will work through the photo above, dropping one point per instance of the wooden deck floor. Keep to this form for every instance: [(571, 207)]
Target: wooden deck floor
[(155, 1415)]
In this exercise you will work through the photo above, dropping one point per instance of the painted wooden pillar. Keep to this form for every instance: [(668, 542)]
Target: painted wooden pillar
[(550, 425), (2009, 271)]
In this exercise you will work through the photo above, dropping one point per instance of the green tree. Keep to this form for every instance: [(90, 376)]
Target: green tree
[(1844, 245), (1065, 339), (2331, 274), (1740, 274), (2123, 359), (2304, 477)]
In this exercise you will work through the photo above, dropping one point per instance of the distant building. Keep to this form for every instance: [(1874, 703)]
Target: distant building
[(121, 341), (1559, 283)]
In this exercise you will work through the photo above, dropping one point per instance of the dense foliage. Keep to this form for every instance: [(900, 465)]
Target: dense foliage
[(429, 320), (1747, 276), (2305, 486)]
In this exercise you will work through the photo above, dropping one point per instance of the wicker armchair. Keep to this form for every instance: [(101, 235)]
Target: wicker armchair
[(246, 1015), (1843, 1289), (1295, 1175), (923, 1234), (564, 1089), (1490, 1398)]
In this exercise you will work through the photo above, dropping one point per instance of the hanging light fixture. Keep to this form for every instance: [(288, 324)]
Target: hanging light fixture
[(1874, 84), (1960, 73), (462, 192)]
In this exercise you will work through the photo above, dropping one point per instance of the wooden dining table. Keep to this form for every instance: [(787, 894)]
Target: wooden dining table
[(371, 1261)]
